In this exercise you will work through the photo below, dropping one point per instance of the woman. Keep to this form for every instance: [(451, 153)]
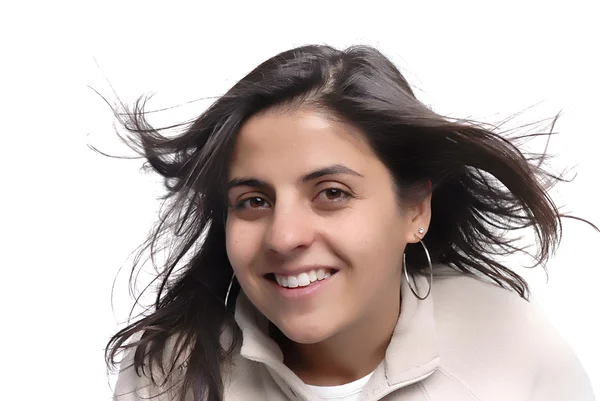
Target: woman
[(337, 239)]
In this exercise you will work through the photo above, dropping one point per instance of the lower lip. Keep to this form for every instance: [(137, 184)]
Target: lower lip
[(301, 292)]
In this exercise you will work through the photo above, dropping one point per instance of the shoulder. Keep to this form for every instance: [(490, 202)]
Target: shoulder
[(477, 297), (149, 382), (474, 315), (486, 332), (135, 383), (132, 384), (483, 304)]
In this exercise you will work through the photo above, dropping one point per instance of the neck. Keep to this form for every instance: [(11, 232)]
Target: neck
[(346, 356)]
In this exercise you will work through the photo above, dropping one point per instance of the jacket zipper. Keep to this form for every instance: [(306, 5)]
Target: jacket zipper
[(398, 386)]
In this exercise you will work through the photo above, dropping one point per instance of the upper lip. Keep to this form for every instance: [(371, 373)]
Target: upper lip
[(302, 269)]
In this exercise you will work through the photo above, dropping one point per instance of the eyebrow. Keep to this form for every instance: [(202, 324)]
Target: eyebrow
[(335, 169)]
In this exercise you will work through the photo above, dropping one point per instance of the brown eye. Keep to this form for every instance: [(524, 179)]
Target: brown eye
[(334, 195), (255, 202)]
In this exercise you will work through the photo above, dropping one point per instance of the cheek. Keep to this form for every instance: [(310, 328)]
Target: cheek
[(242, 245), (371, 238)]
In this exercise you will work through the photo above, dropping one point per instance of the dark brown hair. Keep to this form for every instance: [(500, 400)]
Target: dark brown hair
[(483, 188)]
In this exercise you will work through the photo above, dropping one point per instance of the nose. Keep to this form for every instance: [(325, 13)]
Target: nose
[(291, 229)]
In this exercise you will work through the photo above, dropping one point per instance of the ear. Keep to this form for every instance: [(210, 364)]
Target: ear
[(419, 217)]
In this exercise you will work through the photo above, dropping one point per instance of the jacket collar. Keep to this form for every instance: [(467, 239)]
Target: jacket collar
[(410, 357)]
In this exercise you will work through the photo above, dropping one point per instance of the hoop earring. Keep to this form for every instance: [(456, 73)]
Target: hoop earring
[(430, 274), (229, 290)]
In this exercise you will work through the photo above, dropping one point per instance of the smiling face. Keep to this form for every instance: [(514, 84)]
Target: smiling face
[(307, 194)]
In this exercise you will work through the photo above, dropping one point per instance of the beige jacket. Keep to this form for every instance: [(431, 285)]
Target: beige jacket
[(469, 340)]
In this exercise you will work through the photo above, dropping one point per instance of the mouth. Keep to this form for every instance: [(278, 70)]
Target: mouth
[(301, 280)]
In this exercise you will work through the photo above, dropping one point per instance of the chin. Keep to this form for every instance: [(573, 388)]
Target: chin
[(304, 333), (305, 338)]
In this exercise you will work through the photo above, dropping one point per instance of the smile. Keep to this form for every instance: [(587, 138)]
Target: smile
[(303, 279)]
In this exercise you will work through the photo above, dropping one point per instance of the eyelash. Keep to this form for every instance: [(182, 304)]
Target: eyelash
[(345, 196)]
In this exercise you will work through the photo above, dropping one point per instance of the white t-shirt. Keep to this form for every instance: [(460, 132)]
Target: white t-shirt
[(345, 392)]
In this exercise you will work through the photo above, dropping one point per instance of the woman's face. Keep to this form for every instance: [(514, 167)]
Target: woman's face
[(314, 231)]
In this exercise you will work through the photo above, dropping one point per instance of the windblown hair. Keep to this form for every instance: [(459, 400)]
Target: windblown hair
[(483, 189)]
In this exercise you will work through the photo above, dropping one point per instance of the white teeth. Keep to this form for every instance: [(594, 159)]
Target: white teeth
[(292, 282), (302, 279), (282, 280)]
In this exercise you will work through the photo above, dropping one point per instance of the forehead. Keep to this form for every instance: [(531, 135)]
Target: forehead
[(295, 141)]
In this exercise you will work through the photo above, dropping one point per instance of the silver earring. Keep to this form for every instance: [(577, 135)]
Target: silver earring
[(430, 273), (229, 290)]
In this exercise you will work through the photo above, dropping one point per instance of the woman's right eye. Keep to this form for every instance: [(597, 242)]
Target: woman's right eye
[(255, 202)]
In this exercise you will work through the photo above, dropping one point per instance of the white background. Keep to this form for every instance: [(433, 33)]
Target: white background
[(71, 217)]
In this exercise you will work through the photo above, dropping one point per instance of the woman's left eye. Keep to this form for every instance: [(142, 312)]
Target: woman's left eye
[(334, 194)]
